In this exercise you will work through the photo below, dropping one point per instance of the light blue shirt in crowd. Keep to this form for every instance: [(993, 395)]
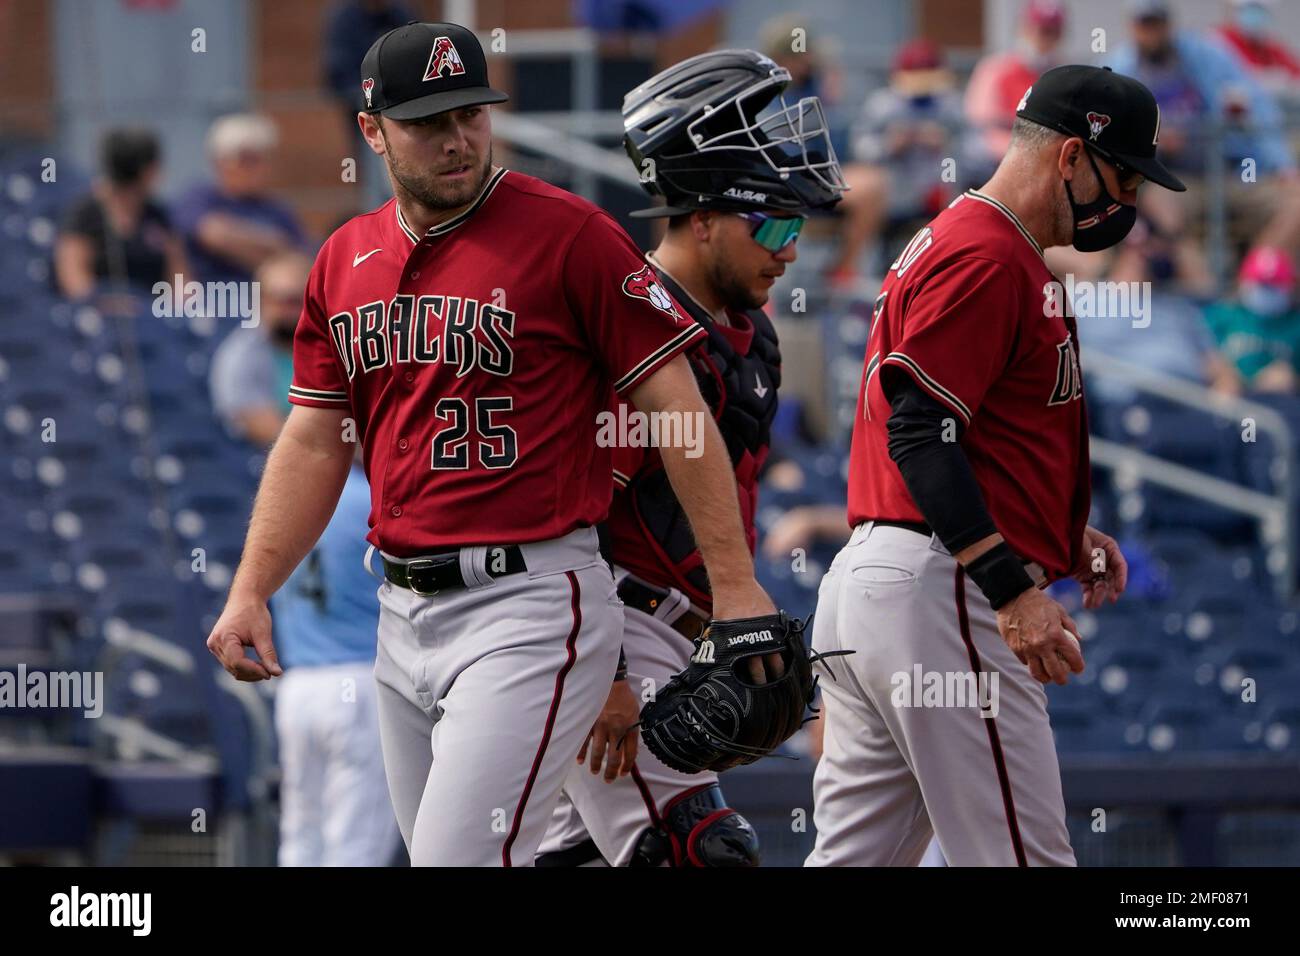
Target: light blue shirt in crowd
[(328, 610)]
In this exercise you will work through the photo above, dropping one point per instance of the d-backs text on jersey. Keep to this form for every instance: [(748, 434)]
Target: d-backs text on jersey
[(456, 331)]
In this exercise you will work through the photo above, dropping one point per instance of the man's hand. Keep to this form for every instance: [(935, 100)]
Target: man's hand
[(1042, 635), (1101, 569), (750, 601), (613, 736), (245, 623)]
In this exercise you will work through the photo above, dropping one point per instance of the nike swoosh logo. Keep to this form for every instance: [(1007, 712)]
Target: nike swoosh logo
[(359, 258)]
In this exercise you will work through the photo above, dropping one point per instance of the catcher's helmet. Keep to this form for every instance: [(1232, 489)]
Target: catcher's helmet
[(719, 134)]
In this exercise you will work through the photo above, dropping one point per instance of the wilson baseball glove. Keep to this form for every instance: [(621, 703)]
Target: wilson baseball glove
[(712, 715)]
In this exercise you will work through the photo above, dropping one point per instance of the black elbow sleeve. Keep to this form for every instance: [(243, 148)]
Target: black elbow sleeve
[(925, 444)]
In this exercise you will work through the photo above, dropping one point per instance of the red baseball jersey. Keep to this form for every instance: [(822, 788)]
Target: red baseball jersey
[(476, 358), (965, 311)]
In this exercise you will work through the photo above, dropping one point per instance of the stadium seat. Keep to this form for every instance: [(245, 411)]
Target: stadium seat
[(1182, 435), (1080, 727), (1173, 726), (1279, 726), (168, 702), (1267, 666), (1125, 675), (149, 600)]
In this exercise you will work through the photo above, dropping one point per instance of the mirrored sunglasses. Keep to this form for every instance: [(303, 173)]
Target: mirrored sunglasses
[(773, 233)]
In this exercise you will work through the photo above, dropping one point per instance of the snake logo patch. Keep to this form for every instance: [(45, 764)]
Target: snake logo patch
[(644, 284)]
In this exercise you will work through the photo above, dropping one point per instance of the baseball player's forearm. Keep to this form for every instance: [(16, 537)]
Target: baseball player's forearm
[(706, 487), (300, 488)]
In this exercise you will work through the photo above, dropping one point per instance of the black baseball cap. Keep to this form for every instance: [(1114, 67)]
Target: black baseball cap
[(421, 69), (1115, 115)]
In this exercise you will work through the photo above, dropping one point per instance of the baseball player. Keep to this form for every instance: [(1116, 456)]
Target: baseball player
[(736, 196), (469, 333), (968, 493)]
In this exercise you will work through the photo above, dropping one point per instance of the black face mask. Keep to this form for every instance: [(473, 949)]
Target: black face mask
[(1103, 222)]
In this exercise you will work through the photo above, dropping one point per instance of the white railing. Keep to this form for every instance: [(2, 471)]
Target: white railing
[(590, 160), (582, 46), (1274, 512)]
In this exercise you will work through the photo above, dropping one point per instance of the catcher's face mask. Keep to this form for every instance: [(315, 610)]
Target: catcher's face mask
[(790, 138)]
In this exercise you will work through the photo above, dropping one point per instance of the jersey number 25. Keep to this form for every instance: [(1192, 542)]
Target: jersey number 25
[(495, 443)]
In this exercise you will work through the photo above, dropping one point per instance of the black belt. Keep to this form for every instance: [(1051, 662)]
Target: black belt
[(428, 576), (920, 527), (647, 599)]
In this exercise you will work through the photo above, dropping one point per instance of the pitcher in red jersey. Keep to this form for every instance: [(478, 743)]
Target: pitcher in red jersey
[(468, 333)]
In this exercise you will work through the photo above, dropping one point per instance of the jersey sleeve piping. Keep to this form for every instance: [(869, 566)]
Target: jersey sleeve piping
[(659, 357), (930, 384), (317, 398)]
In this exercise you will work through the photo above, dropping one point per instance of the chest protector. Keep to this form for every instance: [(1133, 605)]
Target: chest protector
[(741, 390)]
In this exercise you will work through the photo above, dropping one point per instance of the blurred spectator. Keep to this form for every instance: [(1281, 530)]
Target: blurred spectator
[(334, 804), (1165, 332), (906, 132), (812, 70), (1249, 34), (805, 526), (1200, 86), (350, 28), (117, 234), (999, 80), (232, 225), (252, 367), (1259, 333)]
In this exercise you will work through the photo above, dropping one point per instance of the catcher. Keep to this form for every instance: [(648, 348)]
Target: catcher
[(737, 189)]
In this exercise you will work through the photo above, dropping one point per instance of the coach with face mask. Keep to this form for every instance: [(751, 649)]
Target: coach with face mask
[(969, 493)]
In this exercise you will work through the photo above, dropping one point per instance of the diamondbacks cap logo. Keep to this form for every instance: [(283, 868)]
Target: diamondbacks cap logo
[(1024, 99), (368, 88), (443, 57), (1096, 123), (645, 285)]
